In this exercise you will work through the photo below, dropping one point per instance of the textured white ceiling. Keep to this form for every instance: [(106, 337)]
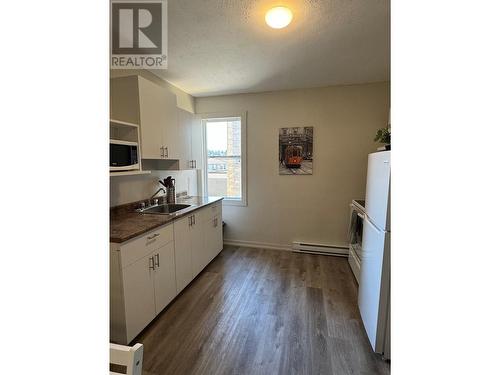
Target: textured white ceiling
[(224, 46)]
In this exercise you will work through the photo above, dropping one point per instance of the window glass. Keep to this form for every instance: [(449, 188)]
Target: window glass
[(224, 157)]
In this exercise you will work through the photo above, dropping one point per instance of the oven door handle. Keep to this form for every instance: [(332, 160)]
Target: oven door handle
[(354, 208)]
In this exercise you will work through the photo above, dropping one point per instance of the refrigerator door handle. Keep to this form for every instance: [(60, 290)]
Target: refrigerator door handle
[(371, 223)]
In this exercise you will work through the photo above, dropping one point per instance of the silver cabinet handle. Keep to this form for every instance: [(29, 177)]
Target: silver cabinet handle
[(194, 219), (153, 236), (151, 263), (190, 220), (157, 260), (166, 152), (162, 151)]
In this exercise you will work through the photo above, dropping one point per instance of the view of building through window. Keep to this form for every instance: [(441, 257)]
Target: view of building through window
[(224, 157)]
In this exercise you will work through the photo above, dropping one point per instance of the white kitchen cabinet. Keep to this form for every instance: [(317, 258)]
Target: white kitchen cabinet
[(147, 272), (196, 142), (198, 239), (190, 140), (184, 122), (138, 100), (216, 241), (190, 257), (164, 276), (138, 294), (183, 265), (158, 121), (213, 230), (198, 245), (142, 273), (124, 99)]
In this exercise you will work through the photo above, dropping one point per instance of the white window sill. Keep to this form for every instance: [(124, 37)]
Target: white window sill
[(233, 202)]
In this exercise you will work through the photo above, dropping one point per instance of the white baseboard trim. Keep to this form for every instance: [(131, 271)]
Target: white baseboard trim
[(259, 245)]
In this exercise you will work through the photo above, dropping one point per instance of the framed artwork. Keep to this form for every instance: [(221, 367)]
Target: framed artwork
[(296, 150)]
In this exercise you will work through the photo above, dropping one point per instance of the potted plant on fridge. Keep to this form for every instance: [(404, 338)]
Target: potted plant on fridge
[(383, 136)]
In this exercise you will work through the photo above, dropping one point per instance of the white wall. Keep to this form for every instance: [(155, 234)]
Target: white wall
[(126, 189), (314, 208)]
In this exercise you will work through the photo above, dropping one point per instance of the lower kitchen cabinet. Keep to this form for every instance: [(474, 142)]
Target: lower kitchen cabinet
[(190, 250), (183, 267), (138, 296), (200, 260), (213, 230), (198, 244), (214, 236), (141, 288), (216, 241), (164, 276), (147, 272)]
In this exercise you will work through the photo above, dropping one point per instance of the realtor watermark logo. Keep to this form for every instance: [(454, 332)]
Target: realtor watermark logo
[(138, 34)]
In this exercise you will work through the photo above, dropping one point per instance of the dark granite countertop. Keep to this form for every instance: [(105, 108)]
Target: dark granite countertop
[(126, 223)]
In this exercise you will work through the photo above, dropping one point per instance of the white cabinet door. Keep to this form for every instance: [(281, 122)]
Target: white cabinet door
[(154, 118), (210, 238), (124, 99), (158, 112), (199, 250), (183, 261), (196, 142), (164, 276), (185, 120), (170, 131), (138, 295), (213, 236), (218, 240)]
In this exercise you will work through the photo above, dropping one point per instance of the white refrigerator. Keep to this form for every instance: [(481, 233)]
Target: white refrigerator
[(374, 285)]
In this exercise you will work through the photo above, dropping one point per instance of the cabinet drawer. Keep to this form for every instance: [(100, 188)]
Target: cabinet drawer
[(139, 247)]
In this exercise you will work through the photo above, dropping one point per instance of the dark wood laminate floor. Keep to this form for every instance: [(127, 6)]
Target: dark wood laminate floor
[(255, 311)]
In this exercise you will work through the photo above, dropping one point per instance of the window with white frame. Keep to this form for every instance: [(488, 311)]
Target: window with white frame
[(225, 158)]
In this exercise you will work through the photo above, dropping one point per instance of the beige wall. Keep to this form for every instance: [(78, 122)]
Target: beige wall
[(282, 209), (184, 100)]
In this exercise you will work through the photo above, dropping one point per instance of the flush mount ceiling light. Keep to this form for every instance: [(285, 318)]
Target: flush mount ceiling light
[(279, 17)]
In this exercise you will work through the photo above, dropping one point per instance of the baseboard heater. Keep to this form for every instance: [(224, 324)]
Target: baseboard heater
[(314, 248)]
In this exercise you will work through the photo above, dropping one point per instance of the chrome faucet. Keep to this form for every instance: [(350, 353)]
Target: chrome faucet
[(157, 191)]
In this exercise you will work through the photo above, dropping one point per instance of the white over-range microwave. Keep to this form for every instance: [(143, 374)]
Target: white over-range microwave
[(123, 156)]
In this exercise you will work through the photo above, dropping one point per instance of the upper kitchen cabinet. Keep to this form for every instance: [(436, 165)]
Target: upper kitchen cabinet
[(189, 140), (184, 121), (154, 108), (196, 142), (158, 111), (124, 99)]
